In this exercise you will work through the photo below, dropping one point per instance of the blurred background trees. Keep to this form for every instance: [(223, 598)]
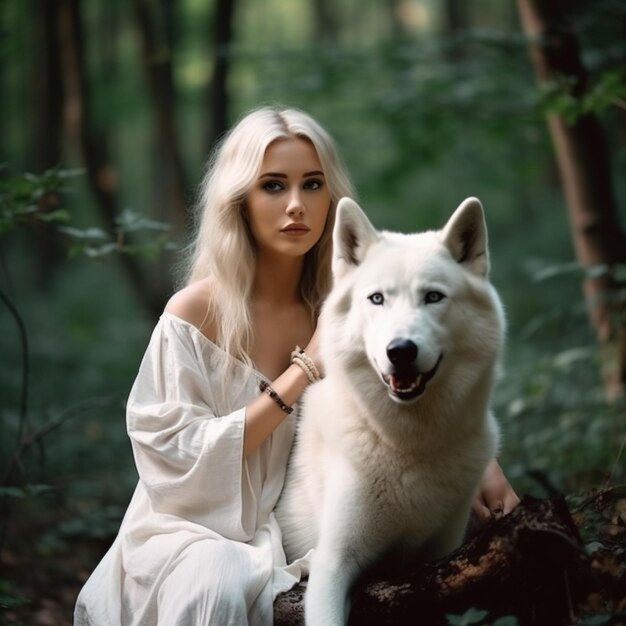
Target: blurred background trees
[(584, 163), (107, 116)]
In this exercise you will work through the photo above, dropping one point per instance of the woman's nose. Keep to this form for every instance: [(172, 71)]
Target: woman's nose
[(295, 205)]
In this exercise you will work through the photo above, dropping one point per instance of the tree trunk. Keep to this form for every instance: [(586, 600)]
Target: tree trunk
[(101, 174), (222, 39), (456, 20), (456, 24), (584, 164), (48, 117), (326, 24), (157, 46), (48, 104)]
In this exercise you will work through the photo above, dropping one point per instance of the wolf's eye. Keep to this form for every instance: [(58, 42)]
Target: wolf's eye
[(376, 298), (433, 296)]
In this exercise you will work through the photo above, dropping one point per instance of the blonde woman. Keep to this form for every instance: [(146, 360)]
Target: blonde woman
[(210, 415)]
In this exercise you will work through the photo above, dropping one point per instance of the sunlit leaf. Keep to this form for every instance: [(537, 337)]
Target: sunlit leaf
[(554, 271), (84, 233), (129, 221), (99, 251), (61, 215)]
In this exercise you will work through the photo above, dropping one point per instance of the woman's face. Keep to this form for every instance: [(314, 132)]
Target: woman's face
[(288, 204)]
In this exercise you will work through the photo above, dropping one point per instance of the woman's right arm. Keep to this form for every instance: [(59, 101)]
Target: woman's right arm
[(263, 414)]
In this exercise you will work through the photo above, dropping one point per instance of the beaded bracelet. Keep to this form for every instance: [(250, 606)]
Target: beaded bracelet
[(265, 387), (306, 364)]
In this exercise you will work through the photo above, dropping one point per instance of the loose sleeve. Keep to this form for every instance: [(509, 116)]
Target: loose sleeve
[(187, 433)]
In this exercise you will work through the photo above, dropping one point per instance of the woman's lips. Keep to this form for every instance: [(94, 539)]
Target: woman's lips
[(296, 229)]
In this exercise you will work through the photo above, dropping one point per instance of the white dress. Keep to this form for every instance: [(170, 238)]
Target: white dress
[(199, 544)]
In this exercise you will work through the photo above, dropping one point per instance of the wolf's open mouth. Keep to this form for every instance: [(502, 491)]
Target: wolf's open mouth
[(409, 385)]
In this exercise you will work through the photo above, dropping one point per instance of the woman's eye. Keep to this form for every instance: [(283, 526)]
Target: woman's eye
[(313, 184), (433, 296), (272, 185), (376, 298)]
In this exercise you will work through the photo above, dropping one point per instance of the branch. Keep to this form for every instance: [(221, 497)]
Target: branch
[(23, 411), (27, 441)]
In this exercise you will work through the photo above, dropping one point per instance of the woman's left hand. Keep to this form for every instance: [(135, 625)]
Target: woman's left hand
[(495, 496)]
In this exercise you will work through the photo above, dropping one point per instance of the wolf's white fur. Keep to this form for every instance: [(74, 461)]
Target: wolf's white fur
[(375, 469)]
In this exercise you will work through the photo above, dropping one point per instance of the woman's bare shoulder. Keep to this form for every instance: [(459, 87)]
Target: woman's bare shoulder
[(193, 304)]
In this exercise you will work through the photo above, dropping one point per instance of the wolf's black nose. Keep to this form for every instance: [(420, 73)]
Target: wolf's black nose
[(401, 352)]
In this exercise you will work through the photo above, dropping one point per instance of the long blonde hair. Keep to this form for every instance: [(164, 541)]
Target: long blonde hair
[(223, 249)]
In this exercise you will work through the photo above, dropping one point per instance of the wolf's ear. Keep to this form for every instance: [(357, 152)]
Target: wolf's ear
[(465, 235), (353, 234)]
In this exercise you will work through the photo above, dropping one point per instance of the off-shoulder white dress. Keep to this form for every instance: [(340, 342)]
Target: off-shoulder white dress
[(199, 544)]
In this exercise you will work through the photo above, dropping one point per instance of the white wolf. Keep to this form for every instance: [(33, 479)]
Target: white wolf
[(393, 442)]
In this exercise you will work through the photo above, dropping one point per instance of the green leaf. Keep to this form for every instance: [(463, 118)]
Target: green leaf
[(129, 221), (611, 87), (566, 358), (12, 492), (593, 546), (86, 233), (594, 620), (507, 620), (94, 252), (60, 215), (472, 616), (71, 172), (10, 598), (557, 270), (28, 491)]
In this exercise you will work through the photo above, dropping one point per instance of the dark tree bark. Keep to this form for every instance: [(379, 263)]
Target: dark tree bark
[(456, 24), (222, 40), (456, 20), (531, 564), (584, 164), (326, 22), (48, 124), (101, 175), (157, 46), (48, 93)]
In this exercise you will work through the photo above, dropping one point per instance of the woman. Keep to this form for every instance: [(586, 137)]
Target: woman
[(210, 414)]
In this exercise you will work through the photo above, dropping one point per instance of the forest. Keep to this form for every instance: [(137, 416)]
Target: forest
[(108, 114)]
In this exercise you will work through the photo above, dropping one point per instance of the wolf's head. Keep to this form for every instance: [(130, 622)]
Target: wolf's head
[(412, 314)]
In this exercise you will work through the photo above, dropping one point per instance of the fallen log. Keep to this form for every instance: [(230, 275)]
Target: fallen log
[(531, 565)]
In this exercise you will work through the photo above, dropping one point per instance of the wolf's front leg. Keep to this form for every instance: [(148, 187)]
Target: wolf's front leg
[(333, 572), (343, 550)]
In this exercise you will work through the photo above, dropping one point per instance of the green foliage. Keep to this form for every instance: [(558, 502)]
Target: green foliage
[(27, 198), (423, 120), (598, 619), (609, 90), (97, 523), (471, 616), (9, 597), (478, 617), (96, 243), (27, 491), (599, 517), (26, 201), (558, 428)]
